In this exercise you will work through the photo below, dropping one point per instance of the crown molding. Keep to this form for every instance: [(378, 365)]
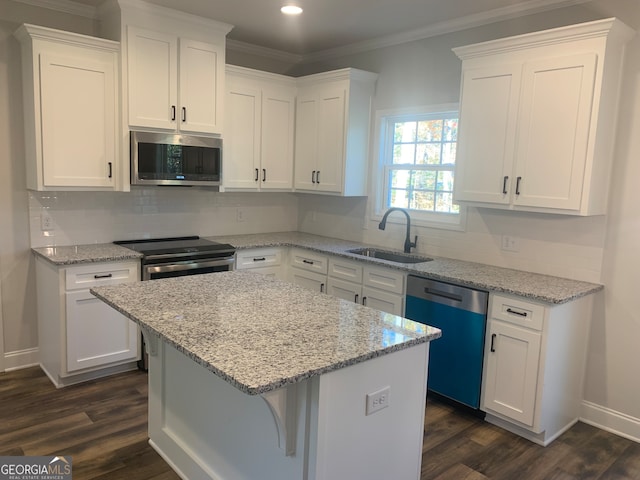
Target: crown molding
[(271, 53), (442, 28), (65, 6)]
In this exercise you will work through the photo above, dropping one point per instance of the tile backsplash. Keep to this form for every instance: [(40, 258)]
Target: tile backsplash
[(101, 217)]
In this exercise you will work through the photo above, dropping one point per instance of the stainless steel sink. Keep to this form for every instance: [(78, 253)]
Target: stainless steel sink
[(396, 257)]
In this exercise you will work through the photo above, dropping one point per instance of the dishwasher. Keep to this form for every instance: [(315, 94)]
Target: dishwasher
[(455, 359)]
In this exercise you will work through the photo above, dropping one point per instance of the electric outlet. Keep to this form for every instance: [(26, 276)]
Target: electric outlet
[(510, 244), (46, 222), (377, 400), (240, 215)]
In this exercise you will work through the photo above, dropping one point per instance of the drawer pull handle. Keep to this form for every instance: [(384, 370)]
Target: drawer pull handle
[(322, 288), (364, 301), (261, 259), (493, 339), (308, 262), (107, 275), (515, 312), (356, 299)]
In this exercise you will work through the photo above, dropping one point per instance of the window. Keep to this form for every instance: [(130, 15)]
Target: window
[(417, 160)]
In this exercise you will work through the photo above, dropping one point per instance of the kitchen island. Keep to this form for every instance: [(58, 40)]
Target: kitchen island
[(252, 378)]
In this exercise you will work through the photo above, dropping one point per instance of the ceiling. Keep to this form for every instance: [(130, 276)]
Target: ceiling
[(330, 24)]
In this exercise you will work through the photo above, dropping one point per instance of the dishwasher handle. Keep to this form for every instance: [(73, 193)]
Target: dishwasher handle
[(440, 293), (455, 296)]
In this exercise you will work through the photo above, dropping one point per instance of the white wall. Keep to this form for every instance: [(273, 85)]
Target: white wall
[(16, 268), (601, 249)]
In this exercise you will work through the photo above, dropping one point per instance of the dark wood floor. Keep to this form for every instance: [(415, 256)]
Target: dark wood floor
[(103, 425)]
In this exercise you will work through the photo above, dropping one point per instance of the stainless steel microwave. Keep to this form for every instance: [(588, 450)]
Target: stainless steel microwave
[(170, 159)]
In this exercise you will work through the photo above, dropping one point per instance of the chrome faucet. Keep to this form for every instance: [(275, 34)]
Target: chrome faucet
[(407, 241)]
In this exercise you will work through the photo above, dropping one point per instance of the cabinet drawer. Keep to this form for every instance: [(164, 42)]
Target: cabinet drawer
[(87, 276), (384, 279), (309, 261), (516, 311), (345, 270), (270, 257)]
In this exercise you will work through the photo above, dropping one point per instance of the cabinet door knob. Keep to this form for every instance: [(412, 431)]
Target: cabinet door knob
[(504, 184), (518, 185)]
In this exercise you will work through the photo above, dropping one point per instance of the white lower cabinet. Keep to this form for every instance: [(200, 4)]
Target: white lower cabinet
[(534, 365), (266, 261), (376, 287), (82, 338), (308, 269)]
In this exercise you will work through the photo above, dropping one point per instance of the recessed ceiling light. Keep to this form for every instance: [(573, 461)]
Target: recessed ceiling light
[(291, 10)]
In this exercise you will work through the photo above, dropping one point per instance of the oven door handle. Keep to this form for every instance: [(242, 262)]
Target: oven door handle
[(149, 270)]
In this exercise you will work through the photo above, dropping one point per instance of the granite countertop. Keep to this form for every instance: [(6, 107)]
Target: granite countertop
[(92, 253), (260, 334), (535, 286), (543, 288)]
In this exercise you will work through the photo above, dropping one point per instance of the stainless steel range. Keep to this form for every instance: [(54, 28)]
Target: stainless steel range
[(177, 257), (180, 256)]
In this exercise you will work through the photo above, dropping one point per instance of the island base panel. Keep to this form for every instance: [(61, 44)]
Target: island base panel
[(207, 429)]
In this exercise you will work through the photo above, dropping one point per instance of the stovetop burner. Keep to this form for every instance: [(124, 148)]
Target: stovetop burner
[(179, 246)]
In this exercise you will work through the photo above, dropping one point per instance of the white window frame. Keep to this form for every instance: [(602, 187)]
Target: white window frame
[(383, 121)]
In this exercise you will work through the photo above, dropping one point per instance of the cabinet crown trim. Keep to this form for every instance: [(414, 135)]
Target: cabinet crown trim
[(28, 32), (171, 14), (570, 33), (341, 74)]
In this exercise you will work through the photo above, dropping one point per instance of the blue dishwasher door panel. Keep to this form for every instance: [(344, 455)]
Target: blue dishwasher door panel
[(455, 359)]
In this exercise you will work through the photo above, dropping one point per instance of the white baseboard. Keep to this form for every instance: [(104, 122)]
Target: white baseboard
[(610, 420), (21, 359)]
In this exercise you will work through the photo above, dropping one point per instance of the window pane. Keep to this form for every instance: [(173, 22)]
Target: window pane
[(404, 153), (444, 203), (424, 180), (450, 130), (422, 201), (404, 132), (400, 178), (448, 153), (430, 131), (445, 180), (398, 198), (428, 154)]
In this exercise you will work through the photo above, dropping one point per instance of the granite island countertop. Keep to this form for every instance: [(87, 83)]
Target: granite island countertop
[(260, 334)]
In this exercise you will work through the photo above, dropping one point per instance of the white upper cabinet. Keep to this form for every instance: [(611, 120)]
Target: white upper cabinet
[(174, 83), (537, 119), (259, 130), (332, 132), (71, 95)]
